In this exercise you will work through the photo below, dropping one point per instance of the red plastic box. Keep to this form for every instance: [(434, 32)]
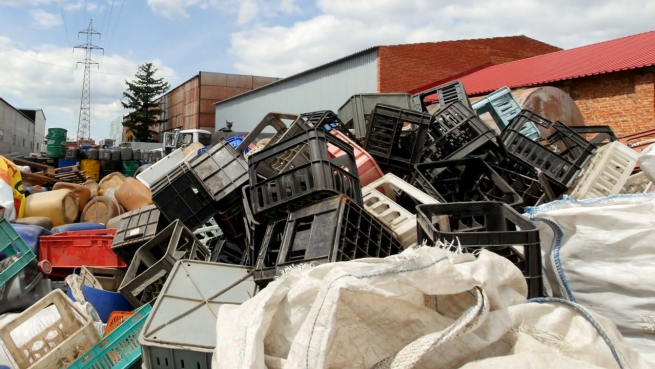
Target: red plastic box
[(368, 169), (60, 253)]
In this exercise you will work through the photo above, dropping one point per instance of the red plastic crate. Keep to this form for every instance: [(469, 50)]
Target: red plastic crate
[(368, 169), (69, 250)]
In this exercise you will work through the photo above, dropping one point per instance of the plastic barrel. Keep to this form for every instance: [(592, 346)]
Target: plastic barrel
[(91, 168), (56, 147), (55, 152), (129, 168)]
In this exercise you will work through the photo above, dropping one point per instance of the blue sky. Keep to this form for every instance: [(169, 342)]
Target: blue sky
[(261, 37)]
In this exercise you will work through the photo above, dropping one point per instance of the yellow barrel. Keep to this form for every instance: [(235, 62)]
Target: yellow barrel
[(91, 168)]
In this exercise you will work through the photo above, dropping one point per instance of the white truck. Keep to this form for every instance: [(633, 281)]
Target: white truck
[(173, 140)]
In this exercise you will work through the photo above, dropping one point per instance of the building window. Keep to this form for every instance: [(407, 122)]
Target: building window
[(14, 140), (2, 135), (38, 147), (23, 142), (31, 145)]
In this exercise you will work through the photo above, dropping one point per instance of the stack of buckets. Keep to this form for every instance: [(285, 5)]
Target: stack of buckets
[(56, 147)]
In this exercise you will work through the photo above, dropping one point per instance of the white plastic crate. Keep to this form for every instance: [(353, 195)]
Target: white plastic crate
[(208, 231), (638, 183), (181, 329), (51, 334), (380, 201), (157, 171), (606, 173), (392, 215)]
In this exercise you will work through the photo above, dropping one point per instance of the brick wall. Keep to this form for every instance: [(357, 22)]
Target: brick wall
[(623, 100), (402, 68)]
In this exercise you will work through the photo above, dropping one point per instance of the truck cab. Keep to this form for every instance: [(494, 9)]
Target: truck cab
[(178, 138)]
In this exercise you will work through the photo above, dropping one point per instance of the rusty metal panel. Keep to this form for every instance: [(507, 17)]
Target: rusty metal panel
[(258, 82), (231, 80), (206, 120), (214, 93), (244, 82), (213, 79), (207, 106)]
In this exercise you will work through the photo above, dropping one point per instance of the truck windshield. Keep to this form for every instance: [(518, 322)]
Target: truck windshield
[(205, 139)]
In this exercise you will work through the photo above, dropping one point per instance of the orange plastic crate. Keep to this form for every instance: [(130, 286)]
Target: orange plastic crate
[(69, 250), (115, 319)]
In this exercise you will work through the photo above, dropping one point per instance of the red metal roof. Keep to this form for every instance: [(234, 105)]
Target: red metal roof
[(625, 53)]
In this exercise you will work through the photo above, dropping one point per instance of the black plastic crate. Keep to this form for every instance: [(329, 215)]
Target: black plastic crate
[(447, 93), (389, 142), (455, 132), (333, 230), (491, 225), (528, 182), (231, 222), (222, 171), (601, 134), (265, 267), (570, 144), (559, 167), (327, 120), (135, 229), (224, 251), (180, 195), (311, 174), (152, 263), (464, 180)]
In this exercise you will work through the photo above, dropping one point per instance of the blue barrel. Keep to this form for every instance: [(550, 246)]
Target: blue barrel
[(105, 302), (67, 163), (77, 227), (30, 234)]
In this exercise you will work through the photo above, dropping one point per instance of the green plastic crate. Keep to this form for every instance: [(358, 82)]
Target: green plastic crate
[(12, 244), (120, 349)]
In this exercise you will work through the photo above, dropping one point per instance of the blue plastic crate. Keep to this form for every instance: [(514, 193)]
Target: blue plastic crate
[(235, 141), (503, 107), (12, 244), (120, 349)]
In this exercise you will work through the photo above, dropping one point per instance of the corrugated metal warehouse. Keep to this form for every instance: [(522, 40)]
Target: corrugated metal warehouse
[(397, 68), (18, 130)]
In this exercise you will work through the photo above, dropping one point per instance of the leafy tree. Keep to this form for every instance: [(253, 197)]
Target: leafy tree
[(141, 94)]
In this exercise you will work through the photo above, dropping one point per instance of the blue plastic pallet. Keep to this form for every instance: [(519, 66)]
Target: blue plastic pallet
[(12, 244), (503, 107), (120, 349)]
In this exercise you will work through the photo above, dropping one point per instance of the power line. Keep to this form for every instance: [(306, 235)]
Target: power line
[(63, 17), (115, 24), (98, 72), (111, 10)]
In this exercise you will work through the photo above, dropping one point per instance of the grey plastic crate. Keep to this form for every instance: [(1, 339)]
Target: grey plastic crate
[(153, 262), (181, 329), (135, 229), (222, 171), (356, 111), (448, 93)]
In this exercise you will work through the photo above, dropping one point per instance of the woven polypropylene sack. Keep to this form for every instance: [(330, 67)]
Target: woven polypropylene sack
[(425, 308), (600, 254)]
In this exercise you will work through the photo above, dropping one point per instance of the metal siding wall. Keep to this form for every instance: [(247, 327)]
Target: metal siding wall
[(16, 128), (324, 89)]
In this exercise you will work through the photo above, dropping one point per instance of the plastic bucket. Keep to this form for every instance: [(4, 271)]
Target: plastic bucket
[(57, 132)]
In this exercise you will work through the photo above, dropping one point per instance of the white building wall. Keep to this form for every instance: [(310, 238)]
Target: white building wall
[(39, 132), (16, 130), (116, 130), (325, 88)]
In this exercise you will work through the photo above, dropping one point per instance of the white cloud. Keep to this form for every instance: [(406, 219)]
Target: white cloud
[(248, 11), (245, 10), (43, 19), (57, 90), (346, 26), (23, 2)]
